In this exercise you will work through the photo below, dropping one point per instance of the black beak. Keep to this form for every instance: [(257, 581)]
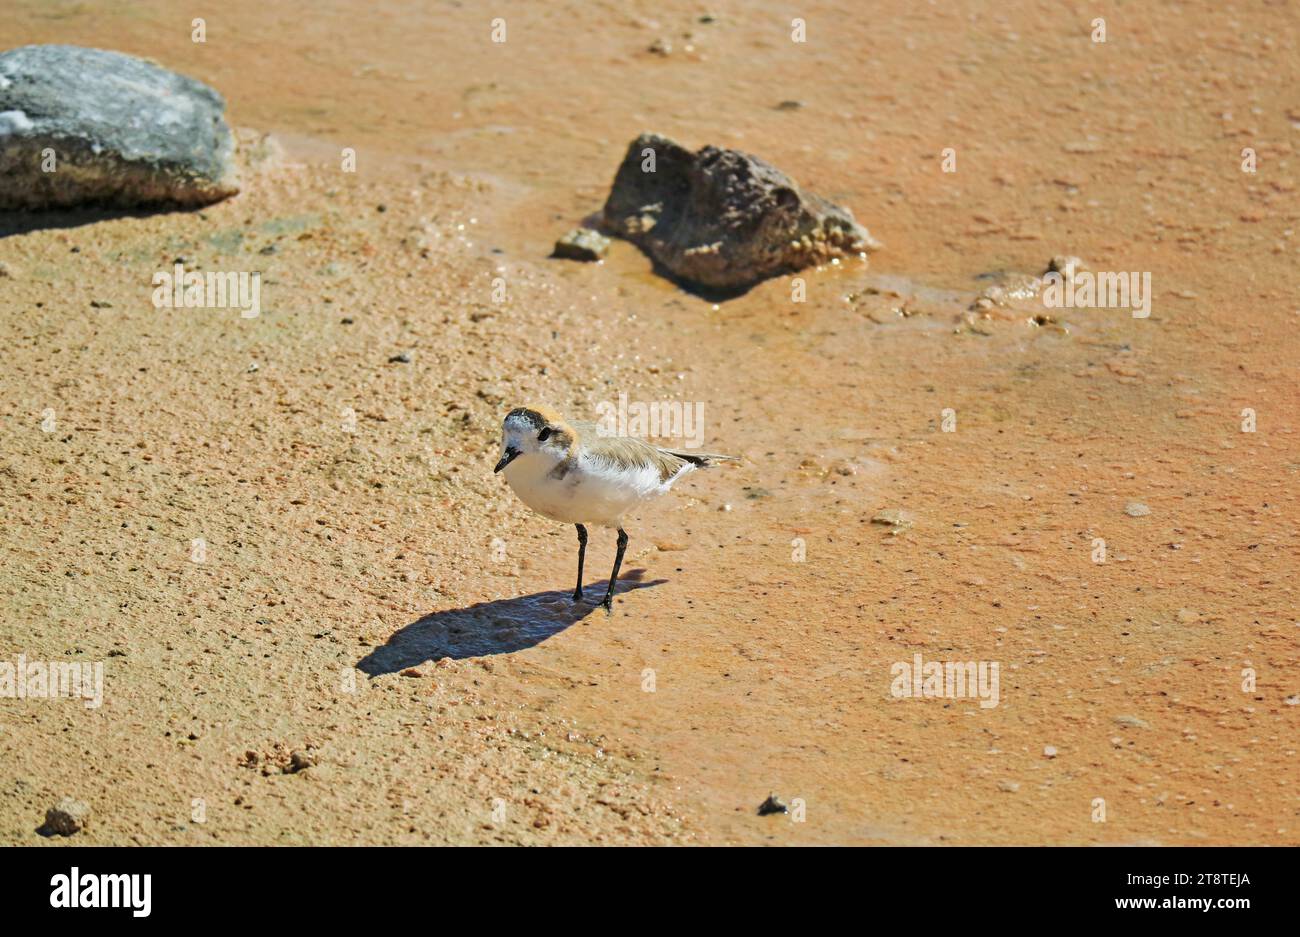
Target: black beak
[(510, 456)]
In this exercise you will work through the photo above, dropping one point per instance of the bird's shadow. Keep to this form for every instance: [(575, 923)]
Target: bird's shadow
[(502, 626)]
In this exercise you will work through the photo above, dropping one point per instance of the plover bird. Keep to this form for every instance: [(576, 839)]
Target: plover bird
[(570, 473)]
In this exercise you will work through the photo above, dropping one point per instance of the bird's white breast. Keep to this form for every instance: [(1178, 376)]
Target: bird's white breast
[(589, 492)]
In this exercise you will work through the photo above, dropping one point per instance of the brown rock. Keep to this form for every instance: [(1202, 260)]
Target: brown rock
[(68, 817), (723, 219)]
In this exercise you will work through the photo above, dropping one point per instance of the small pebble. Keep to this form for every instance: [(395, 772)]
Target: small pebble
[(69, 816), (1133, 722), (897, 521), (772, 805), (581, 244), (1136, 509), (1060, 262), (1049, 751)]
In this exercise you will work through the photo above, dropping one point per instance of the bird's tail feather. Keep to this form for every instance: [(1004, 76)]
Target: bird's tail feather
[(701, 459)]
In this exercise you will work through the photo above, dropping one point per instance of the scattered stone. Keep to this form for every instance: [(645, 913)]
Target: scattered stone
[(1009, 787), (6, 271), (790, 106), (661, 47), (1187, 616), (1132, 722), (893, 518), (68, 817), (1136, 509), (1049, 751), (1005, 290), (125, 132), (1063, 262), (299, 761), (400, 358), (581, 244), (772, 805), (722, 219), (411, 672), (100, 304)]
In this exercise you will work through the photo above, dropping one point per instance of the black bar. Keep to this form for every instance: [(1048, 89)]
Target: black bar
[(1031, 885)]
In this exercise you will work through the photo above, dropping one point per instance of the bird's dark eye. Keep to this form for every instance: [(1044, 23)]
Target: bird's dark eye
[(544, 435)]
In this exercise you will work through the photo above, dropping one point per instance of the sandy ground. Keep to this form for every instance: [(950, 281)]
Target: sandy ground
[(371, 597)]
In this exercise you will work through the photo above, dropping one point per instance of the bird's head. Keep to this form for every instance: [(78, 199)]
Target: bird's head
[(535, 433)]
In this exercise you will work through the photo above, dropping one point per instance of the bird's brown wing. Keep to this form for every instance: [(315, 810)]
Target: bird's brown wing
[(630, 452), (626, 452)]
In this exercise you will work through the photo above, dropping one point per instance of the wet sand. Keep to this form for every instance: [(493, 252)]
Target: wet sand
[(372, 597)]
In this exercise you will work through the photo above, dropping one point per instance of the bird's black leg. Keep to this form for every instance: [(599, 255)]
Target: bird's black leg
[(582, 552), (618, 561)]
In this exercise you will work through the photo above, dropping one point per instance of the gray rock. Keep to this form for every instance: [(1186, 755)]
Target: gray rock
[(68, 817), (1136, 509), (124, 132), (723, 219), (582, 244)]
